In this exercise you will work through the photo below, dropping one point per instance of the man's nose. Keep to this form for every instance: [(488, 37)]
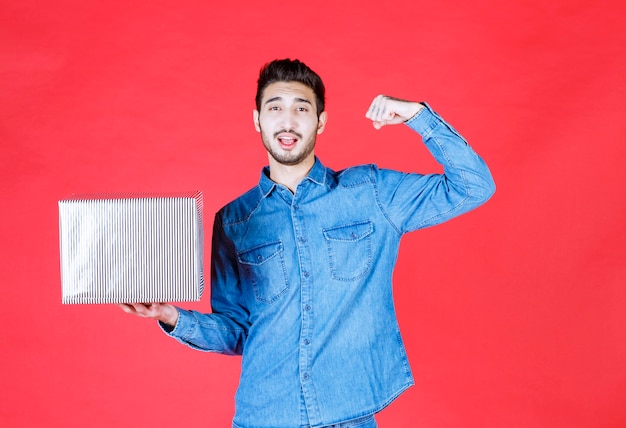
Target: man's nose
[(287, 120)]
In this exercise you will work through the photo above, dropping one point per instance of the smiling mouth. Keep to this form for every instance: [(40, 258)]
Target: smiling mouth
[(287, 139)]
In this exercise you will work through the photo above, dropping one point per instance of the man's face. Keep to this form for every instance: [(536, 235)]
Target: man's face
[(288, 122)]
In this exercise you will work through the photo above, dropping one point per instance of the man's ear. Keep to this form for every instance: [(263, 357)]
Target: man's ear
[(321, 122), (255, 117)]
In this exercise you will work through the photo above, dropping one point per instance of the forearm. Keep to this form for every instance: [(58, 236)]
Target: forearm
[(414, 201), (207, 332), (465, 172)]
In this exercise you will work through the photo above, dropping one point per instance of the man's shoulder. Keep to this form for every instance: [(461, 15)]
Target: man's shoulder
[(356, 175), (241, 207)]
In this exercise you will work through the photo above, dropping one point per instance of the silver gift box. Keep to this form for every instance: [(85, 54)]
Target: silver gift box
[(129, 249)]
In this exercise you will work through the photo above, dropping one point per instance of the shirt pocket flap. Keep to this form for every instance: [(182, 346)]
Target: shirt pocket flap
[(260, 254), (350, 232)]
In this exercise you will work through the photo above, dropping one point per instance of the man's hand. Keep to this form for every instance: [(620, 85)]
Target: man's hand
[(163, 312), (386, 110)]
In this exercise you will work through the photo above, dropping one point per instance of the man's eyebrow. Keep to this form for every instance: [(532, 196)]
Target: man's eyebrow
[(279, 98)]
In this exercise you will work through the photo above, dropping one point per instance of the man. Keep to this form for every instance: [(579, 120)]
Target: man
[(302, 263)]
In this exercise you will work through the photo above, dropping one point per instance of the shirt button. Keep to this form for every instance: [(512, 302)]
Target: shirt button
[(295, 207), (302, 239), (305, 376), (259, 258), (307, 308), (307, 341), (306, 274)]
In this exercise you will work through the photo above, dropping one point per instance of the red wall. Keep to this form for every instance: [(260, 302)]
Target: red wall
[(513, 315)]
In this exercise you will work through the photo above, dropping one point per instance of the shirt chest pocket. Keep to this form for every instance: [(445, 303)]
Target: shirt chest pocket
[(349, 250), (263, 266)]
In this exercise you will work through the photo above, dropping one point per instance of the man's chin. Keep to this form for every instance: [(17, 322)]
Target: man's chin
[(289, 158), (288, 161)]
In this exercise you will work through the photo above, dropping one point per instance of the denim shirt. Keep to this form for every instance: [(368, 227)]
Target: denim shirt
[(301, 282)]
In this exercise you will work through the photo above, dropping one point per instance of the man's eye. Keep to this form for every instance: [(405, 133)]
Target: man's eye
[(302, 109), (274, 108)]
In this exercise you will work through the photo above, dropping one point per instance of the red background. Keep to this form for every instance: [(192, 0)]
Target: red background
[(513, 315)]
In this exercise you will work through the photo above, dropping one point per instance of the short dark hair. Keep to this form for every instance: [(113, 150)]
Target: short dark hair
[(287, 70)]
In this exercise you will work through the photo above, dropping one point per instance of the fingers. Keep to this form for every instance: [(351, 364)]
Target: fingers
[(126, 308), (143, 310), (163, 312), (380, 112)]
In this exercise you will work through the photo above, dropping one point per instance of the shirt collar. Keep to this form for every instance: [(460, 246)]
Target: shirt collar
[(317, 175)]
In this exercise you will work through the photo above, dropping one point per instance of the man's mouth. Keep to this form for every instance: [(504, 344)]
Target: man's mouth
[(287, 139)]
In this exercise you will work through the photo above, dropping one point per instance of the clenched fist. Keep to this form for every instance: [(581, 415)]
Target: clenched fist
[(386, 110)]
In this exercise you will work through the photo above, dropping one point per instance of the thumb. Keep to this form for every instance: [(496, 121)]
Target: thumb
[(378, 124)]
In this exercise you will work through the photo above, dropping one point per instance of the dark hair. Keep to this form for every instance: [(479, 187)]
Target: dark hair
[(287, 70)]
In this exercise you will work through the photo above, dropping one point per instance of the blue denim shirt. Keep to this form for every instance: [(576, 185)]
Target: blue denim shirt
[(301, 283)]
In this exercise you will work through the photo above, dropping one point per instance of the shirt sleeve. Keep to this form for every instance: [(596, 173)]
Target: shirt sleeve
[(413, 201), (224, 330)]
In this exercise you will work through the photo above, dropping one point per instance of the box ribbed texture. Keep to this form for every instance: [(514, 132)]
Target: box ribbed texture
[(128, 249)]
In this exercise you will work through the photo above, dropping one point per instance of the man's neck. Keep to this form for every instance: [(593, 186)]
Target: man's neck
[(290, 175)]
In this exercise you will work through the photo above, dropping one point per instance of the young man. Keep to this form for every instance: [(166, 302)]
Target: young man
[(302, 263)]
